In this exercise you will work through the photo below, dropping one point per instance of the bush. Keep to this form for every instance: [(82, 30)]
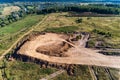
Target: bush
[(91, 44), (79, 20), (0, 13), (106, 34)]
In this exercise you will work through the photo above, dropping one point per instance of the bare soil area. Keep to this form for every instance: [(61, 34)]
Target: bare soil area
[(8, 10), (58, 48)]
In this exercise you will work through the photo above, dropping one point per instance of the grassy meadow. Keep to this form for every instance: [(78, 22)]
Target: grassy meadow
[(81, 73), (18, 70)]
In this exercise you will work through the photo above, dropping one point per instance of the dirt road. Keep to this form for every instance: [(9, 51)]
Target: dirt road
[(84, 39), (53, 75), (92, 73)]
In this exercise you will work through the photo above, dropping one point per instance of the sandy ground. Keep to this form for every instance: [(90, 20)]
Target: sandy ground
[(8, 10), (77, 54)]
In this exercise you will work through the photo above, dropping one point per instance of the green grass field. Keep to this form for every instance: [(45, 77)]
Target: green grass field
[(27, 22), (10, 33), (81, 73), (65, 29), (18, 70)]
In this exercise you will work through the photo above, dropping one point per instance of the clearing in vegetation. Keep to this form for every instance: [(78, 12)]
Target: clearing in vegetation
[(59, 48), (9, 9)]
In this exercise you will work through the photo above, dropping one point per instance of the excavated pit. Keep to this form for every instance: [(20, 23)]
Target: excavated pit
[(63, 50), (57, 50), (52, 45), (49, 44)]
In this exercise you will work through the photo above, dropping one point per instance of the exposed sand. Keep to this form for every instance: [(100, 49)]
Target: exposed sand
[(77, 54), (8, 10)]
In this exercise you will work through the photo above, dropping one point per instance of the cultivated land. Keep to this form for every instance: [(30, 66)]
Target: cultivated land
[(56, 22)]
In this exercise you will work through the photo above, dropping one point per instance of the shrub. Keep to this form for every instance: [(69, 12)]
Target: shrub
[(79, 20)]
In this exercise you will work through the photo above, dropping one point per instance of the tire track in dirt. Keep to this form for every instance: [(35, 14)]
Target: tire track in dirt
[(53, 75), (92, 73), (109, 74)]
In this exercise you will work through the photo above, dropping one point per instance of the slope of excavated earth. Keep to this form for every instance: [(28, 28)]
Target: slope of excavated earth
[(58, 48)]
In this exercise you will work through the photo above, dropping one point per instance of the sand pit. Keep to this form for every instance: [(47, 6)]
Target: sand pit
[(10, 9), (57, 48)]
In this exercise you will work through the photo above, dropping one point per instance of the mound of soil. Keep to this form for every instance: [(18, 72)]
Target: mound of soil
[(57, 50)]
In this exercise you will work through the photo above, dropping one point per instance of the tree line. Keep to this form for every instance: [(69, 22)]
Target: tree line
[(13, 17), (32, 9), (17, 15), (82, 8)]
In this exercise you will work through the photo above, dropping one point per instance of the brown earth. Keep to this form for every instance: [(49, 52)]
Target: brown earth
[(8, 10), (53, 44), (57, 50)]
